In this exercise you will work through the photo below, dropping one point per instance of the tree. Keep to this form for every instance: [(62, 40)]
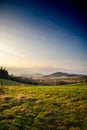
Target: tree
[(3, 73)]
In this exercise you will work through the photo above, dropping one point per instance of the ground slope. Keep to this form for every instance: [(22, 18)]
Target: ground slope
[(6, 82)]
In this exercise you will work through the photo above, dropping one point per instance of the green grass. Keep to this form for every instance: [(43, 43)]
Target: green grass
[(43, 107), (6, 82)]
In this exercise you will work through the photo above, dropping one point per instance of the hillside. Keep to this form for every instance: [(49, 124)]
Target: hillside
[(5, 82), (62, 75)]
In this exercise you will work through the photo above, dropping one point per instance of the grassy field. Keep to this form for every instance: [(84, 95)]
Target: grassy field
[(43, 107), (6, 82)]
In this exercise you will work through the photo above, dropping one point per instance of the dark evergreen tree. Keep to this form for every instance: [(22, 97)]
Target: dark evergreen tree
[(3, 73)]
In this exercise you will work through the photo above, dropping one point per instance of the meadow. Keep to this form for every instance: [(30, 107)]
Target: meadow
[(5, 82), (43, 107)]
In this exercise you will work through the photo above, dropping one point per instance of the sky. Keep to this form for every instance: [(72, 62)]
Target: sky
[(43, 36)]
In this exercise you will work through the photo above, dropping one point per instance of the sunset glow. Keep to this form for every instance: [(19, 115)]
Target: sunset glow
[(36, 41)]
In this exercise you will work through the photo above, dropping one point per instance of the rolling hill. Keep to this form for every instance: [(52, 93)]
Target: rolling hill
[(64, 75)]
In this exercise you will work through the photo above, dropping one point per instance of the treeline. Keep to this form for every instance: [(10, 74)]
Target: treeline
[(39, 81), (5, 75), (53, 82)]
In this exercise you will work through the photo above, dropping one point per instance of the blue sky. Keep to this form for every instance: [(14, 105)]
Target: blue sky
[(43, 36)]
